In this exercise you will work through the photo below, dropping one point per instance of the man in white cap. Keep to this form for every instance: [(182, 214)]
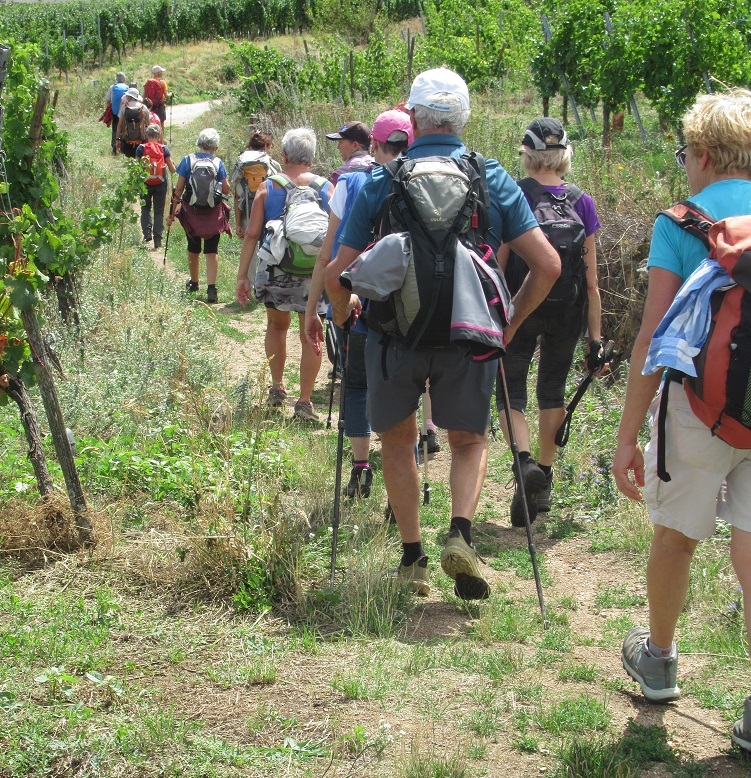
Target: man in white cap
[(132, 123), (461, 390), (155, 89)]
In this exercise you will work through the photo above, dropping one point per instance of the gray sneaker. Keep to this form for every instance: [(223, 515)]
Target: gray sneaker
[(656, 675), (416, 575), (276, 397), (459, 561), (543, 496), (741, 733)]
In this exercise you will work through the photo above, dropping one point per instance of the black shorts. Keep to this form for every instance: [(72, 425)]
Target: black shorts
[(558, 335), (210, 245)]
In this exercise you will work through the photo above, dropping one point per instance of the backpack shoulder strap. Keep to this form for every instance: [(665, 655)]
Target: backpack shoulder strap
[(478, 163), (573, 193), (691, 218), (283, 181), (318, 183)]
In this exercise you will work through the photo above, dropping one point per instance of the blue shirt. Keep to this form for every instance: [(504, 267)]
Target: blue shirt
[(673, 249), (183, 169), (508, 212)]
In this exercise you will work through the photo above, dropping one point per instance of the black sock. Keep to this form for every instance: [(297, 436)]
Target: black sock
[(547, 469), (464, 526), (411, 552), (524, 456), (211, 286)]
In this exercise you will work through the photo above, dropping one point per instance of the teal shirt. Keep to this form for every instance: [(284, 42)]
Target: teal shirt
[(674, 249), (509, 213)]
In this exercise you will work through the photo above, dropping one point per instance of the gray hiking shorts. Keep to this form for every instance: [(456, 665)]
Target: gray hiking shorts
[(460, 389)]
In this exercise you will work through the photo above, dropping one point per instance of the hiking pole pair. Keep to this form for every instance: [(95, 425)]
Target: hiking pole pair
[(520, 485), (331, 335), (562, 435), (339, 449)]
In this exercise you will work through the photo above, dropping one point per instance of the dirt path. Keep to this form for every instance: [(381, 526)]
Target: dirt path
[(180, 115)]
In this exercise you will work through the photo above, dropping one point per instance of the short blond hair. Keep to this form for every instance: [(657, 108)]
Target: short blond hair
[(720, 124), (558, 160)]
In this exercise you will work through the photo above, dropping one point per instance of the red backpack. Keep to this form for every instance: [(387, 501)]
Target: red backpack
[(154, 153), (153, 89), (720, 395)]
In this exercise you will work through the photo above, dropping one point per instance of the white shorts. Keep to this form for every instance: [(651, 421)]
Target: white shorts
[(709, 478)]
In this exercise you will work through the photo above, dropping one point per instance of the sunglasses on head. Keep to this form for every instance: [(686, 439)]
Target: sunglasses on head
[(680, 155)]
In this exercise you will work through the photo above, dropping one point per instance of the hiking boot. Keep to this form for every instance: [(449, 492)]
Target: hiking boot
[(276, 397), (543, 496), (741, 733), (534, 482), (360, 481), (304, 410), (416, 575), (459, 561), (656, 675), (211, 295), (157, 243), (434, 445), (147, 238), (191, 286)]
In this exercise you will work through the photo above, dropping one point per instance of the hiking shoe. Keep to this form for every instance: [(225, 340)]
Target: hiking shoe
[(305, 410), (276, 397), (656, 675), (741, 733), (434, 445), (191, 286), (157, 243), (459, 561), (543, 496), (360, 481), (416, 575), (147, 238), (211, 295), (534, 482)]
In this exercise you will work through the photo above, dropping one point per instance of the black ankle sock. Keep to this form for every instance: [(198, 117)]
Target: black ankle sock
[(411, 552), (547, 469), (464, 526), (211, 286)]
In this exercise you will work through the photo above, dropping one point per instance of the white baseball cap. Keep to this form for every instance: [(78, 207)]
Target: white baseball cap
[(440, 81)]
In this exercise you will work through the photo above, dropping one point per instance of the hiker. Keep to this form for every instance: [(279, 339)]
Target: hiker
[(283, 292), (460, 387), (252, 167), (155, 89), (199, 194), (132, 123), (114, 97), (353, 142), (154, 118), (707, 476), (392, 134), (556, 324), (156, 158)]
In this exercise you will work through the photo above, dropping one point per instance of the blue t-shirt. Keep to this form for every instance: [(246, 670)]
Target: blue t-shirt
[(674, 249), (183, 169), (509, 214)]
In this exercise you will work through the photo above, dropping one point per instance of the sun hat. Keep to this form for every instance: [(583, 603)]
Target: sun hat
[(390, 122), (158, 69), (132, 94), (440, 81), (356, 131), (546, 128)]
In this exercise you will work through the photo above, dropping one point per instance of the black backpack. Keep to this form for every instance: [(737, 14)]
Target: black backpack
[(134, 132), (439, 201), (203, 188), (564, 229)]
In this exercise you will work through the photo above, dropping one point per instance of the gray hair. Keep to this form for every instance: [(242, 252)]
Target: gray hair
[(453, 120), (300, 146), (208, 139), (121, 78), (153, 131)]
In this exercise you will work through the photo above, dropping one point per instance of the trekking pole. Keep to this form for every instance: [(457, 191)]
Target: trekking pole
[(339, 453), (171, 101), (519, 485), (424, 444), (562, 435), (330, 327), (169, 226)]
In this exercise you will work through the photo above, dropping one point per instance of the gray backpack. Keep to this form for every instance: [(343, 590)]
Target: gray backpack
[(204, 190)]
